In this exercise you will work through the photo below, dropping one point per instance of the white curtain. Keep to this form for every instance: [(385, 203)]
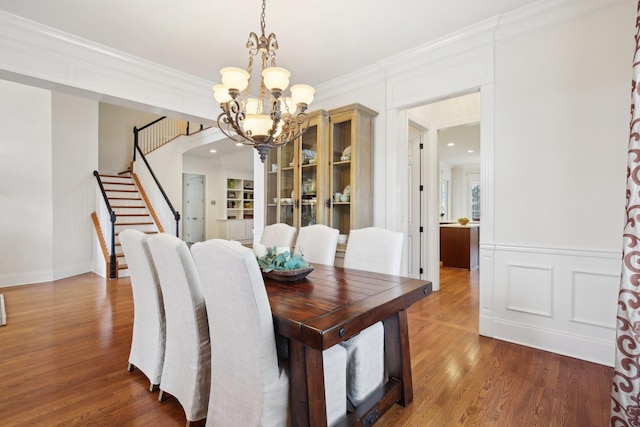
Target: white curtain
[(625, 391)]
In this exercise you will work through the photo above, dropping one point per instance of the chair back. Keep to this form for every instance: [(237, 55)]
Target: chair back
[(247, 385), (186, 373), (148, 337), (317, 243), (279, 235), (374, 249)]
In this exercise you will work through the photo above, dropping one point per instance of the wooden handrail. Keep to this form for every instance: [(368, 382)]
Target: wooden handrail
[(148, 203), (113, 261)]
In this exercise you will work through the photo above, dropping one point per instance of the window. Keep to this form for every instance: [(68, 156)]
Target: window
[(473, 196)]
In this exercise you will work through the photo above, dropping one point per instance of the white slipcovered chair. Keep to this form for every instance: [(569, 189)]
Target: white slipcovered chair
[(317, 243), (148, 337), (187, 362), (249, 387), (279, 235), (380, 251)]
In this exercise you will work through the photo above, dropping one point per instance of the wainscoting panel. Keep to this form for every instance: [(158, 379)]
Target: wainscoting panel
[(530, 289), (564, 301), (589, 286)]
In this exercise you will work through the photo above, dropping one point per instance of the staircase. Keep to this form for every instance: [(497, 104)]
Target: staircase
[(129, 203)]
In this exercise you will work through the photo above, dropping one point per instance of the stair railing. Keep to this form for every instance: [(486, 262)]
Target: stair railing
[(160, 131), (138, 150), (113, 267)]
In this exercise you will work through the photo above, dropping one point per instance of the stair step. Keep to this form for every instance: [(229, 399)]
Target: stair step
[(116, 179), (124, 198), (121, 224), (118, 182), (122, 266), (118, 190), (128, 207), (146, 232), (123, 188)]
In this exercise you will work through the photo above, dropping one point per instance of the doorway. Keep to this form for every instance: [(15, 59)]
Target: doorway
[(193, 208), (452, 140)]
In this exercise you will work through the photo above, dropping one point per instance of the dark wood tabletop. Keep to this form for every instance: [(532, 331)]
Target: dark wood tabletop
[(331, 305)]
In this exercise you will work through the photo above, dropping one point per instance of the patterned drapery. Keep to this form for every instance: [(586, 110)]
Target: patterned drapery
[(625, 391)]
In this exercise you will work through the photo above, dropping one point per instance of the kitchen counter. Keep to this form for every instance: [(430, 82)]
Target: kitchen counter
[(460, 245)]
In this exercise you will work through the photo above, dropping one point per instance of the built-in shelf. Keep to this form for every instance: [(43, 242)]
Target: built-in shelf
[(239, 202)]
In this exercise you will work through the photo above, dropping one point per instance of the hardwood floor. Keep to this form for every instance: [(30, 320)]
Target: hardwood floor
[(63, 360)]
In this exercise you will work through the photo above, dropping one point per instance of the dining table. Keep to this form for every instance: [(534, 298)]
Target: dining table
[(328, 306)]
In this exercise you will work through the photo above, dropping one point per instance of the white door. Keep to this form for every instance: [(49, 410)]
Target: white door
[(193, 208), (415, 198)]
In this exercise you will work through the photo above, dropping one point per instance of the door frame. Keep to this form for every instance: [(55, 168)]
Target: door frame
[(421, 242)]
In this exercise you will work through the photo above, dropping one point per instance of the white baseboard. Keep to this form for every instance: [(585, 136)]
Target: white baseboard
[(71, 270), (25, 278), (579, 347)]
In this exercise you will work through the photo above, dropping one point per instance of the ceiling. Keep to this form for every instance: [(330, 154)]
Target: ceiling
[(319, 41), (465, 150)]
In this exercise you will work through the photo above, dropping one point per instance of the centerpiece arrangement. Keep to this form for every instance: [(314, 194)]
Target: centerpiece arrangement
[(283, 266)]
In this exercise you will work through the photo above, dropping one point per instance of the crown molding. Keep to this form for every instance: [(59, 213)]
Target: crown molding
[(42, 56), (474, 43), (364, 77), (37, 54), (547, 12)]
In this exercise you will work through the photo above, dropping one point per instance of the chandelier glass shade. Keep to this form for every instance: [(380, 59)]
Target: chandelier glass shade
[(265, 118)]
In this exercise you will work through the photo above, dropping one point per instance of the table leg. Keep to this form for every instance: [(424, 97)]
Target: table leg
[(306, 386), (315, 388), (398, 358), (298, 385)]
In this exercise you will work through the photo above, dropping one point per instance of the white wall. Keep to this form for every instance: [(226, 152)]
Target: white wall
[(561, 133), (562, 109), (116, 135), (25, 182), (49, 150), (75, 151)]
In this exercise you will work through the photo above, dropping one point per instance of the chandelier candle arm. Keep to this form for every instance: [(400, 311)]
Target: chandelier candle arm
[(268, 118)]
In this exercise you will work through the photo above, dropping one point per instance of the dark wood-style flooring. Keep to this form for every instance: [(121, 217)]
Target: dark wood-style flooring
[(63, 360)]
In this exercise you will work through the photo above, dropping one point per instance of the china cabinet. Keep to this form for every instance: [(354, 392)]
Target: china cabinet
[(333, 156), (294, 177)]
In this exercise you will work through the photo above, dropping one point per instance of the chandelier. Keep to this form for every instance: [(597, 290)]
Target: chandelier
[(266, 119)]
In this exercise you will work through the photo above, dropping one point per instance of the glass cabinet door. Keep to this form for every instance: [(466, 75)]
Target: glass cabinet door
[(302, 177), (286, 186), (341, 175), (271, 194), (310, 180)]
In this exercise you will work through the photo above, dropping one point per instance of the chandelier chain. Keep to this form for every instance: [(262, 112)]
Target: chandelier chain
[(262, 15)]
